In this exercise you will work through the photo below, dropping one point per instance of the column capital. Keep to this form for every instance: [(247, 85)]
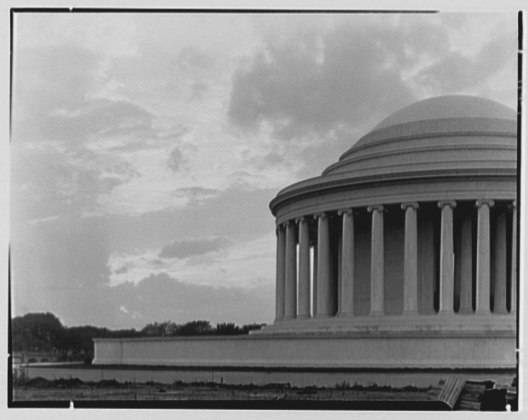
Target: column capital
[(450, 203), (319, 215), (289, 222), (301, 219), (412, 204), (345, 211), (513, 205), (480, 203), (379, 208)]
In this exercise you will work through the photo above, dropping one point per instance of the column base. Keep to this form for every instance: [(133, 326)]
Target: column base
[(403, 323), (465, 311), (376, 313), (446, 311), (303, 316), (483, 312), (413, 312)]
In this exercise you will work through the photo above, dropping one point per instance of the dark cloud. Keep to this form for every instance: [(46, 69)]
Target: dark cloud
[(204, 260), (271, 159), (176, 159), (318, 155), (314, 84), (190, 247), (495, 55), (456, 72), (121, 270), (353, 76)]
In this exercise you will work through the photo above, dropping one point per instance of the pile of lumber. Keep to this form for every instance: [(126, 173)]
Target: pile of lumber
[(470, 397), (486, 396), (511, 398), (450, 392)]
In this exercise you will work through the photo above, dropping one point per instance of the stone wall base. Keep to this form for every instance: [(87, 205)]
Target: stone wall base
[(467, 350)]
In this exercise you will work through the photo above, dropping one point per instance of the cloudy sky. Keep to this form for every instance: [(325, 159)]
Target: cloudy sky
[(145, 148)]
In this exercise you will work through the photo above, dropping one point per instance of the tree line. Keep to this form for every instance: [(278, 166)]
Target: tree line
[(44, 332)]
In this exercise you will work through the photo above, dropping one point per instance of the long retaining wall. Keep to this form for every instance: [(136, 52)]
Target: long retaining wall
[(482, 350)]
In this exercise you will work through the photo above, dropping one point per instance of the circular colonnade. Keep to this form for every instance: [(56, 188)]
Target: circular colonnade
[(416, 221)]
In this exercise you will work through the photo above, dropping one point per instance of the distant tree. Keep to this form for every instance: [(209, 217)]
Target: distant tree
[(151, 330), (126, 333), (160, 329), (227, 329), (37, 332), (45, 332), (250, 327), (196, 328)]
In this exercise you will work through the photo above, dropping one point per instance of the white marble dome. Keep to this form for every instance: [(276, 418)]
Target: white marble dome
[(442, 138), (450, 106)]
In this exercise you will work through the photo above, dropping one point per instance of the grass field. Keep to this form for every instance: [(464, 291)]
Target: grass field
[(39, 389)]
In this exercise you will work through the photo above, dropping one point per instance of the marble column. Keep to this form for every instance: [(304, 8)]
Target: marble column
[(376, 261), (499, 264), (427, 264), (513, 277), (336, 263), (347, 264), (279, 291), (314, 282), (483, 256), (466, 266), (410, 261), (304, 268), (290, 309), (323, 267), (447, 266)]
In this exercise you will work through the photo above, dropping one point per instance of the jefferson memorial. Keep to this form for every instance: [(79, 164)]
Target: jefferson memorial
[(402, 254)]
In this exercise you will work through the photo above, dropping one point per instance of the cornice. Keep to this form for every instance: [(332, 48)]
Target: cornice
[(330, 184)]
